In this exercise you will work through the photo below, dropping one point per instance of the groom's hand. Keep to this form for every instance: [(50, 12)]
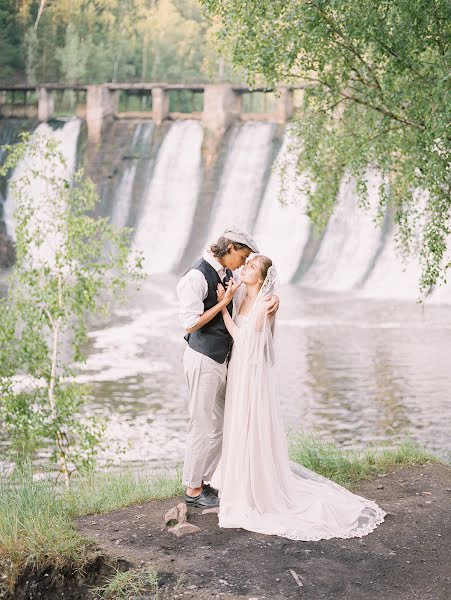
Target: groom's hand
[(272, 305)]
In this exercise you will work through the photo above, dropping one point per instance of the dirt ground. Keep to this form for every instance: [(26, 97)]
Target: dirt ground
[(407, 557)]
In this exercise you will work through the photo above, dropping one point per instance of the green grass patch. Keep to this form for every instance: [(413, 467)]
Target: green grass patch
[(349, 467), (130, 584), (37, 527), (106, 491)]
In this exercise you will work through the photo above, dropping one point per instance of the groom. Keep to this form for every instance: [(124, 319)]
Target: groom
[(206, 356)]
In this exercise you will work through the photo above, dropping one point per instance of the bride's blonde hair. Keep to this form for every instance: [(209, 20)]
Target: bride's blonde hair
[(264, 263)]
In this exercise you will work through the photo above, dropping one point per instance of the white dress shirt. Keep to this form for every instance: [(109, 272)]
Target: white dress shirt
[(192, 289)]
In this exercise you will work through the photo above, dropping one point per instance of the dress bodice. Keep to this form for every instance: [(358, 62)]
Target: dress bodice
[(239, 319)]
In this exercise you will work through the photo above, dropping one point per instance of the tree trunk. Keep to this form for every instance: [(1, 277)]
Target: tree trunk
[(40, 11), (59, 435)]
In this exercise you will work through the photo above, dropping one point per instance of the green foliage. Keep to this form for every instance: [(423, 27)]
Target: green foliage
[(94, 41), (378, 72), (10, 38), (69, 267)]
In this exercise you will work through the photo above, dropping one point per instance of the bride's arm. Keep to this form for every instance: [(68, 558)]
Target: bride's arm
[(228, 321)]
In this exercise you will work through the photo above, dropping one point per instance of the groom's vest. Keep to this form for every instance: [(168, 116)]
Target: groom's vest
[(212, 339)]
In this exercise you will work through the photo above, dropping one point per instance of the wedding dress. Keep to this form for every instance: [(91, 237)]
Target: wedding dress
[(260, 489)]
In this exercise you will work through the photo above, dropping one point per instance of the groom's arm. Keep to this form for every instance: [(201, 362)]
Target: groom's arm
[(207, 316), (192, 290)]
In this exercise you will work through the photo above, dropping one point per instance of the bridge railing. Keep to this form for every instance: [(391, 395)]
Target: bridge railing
[(217, 105)]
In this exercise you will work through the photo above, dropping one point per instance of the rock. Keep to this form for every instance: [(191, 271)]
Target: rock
[(172, 516), (379, 487), (176, 514), (182, 512), (182, 529), (206, 511)]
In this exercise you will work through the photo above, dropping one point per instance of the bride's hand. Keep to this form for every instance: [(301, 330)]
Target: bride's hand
[(220, 292), (232, 287)]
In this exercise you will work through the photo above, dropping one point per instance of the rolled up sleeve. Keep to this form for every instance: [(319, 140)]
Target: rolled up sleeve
[(192, 289)]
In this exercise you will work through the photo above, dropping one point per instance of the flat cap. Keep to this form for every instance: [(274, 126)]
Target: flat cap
[(237, 235)]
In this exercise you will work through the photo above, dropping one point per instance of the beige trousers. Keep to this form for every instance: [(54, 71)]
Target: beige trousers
[(206, 381)]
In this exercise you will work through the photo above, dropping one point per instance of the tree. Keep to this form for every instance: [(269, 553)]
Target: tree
[(10, 38), (379, 72), (69, 267)]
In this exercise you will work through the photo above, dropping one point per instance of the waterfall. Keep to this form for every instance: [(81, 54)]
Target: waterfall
[(43, 205), (124, 192), (350, 242), (154, 179), (282, 228), (240, 189), (164, 228), (393, 276)]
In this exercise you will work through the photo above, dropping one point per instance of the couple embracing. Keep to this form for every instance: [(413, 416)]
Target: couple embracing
[(236, 438)]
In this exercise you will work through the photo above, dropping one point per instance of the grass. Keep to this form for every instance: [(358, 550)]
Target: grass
[(37, 517), (105, 491), (129, 584), (37, 526), (349, 467)]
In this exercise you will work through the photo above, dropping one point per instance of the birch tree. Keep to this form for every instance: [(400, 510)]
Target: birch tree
[(70, 266)]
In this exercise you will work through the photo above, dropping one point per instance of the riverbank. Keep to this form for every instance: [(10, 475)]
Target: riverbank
[(54, 546)]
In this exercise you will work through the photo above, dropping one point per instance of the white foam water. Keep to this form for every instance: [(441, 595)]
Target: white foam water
[(350, 241), (282, 227), (241, 187), (393, 275), (123, 195), (164, 228), (42, 193)]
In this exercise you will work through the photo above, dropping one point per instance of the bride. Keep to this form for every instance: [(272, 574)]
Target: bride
[(260, 489)]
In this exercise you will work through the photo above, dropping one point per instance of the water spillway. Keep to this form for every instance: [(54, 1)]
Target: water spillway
[(282, 228), (350, 241), (169, 206), (242, 183), (123, 194), (42, 206), (151, 178)]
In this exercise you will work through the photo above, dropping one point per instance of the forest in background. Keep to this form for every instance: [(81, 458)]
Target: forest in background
[(95, 41)]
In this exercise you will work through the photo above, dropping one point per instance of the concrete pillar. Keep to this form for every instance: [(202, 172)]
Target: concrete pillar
[(101, 104), (222, 106), (160, 105), (284, 105), (46, 104)]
